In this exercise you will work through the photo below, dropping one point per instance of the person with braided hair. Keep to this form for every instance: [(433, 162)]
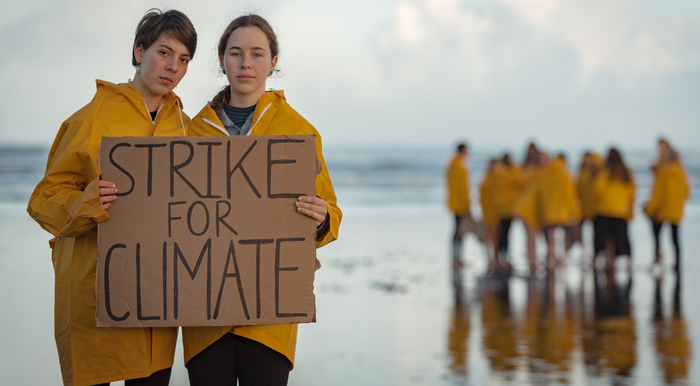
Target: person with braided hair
[(261, 354)]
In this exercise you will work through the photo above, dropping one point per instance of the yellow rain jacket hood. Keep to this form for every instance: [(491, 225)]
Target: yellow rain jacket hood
[(458, 186), (671, 190), (272, 116), (67, 204)]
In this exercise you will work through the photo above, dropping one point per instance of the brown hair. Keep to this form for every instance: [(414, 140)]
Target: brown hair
[(249, 20), (618, 170), (156, 23)]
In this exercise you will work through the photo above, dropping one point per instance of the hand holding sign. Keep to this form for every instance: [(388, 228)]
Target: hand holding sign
[(108, 191), (314, 207)]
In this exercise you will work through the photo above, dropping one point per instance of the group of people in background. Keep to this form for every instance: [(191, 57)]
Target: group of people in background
[(544, 195)]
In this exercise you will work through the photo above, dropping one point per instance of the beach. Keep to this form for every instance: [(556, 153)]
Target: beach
[(388, 312)]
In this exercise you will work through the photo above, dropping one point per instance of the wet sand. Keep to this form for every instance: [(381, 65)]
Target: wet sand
[(388, 314)]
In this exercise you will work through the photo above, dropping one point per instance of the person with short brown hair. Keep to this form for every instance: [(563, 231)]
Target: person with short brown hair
[(72, 199)]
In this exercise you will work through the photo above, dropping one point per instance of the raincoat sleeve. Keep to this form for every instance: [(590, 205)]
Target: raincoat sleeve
[(324, 189), (66, 202), (656, 196)]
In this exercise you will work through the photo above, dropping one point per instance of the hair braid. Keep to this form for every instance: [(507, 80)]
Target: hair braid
[(221, 99)]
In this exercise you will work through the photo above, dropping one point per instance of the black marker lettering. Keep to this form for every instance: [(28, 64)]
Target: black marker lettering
[(139, 314), (170, 216), (257, 267), (271, 162), (231, 256), (209, 165), (239, 165), (108, 304), (111, 159), (220, 218), (176, 168), (177, 252), (150, 147), (277, 279)]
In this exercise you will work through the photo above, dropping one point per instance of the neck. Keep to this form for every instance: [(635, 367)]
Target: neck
[(247, 100), (152, 100)]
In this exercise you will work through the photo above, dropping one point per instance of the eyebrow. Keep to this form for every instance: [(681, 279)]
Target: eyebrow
[(239, 48), (172, 50)]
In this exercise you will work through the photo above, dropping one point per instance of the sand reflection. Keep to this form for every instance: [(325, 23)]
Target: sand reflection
[(673, 348)]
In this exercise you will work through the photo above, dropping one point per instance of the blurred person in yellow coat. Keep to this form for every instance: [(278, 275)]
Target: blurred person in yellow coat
[(614, 196), (72, 199), (525, 206), (557, 202), (666, 204), (591, 163), (487, 192), (262, 354), (458, 202), (665, 151), (508, 182)]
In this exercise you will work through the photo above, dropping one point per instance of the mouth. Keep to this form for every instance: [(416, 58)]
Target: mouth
[(244, 77), (166, 80)]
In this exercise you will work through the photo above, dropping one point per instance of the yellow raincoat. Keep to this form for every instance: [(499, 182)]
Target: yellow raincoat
[(584, 186), (668, 196), (273, 116), (556, 194), (458, 186), (67, 204), (613, 198), (508, 185)]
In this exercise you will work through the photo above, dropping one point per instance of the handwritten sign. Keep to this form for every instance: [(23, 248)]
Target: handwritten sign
[(204, 232)]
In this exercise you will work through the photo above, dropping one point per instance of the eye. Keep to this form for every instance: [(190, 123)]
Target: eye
[(235, 54), (257, 55), (185, 61)]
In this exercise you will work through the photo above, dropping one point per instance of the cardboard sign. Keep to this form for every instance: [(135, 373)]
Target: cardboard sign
[(205, 232)]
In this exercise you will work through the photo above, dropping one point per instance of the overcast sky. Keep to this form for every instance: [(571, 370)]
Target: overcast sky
[(570, 73)]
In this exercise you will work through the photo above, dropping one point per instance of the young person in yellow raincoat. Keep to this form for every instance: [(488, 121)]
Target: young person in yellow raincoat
[(668, 196), (72, 199), (508, 183), (591, 163), (558, 203), (487, 192), (264, 354), (458, 202), (614, 197)]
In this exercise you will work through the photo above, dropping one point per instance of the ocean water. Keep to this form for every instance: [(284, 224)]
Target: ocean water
[(388, 312)]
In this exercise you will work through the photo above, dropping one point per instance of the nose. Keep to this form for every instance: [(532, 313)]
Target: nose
[(245, 62), (173, 65)]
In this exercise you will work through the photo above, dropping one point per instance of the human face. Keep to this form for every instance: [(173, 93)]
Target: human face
[(162, 66), (248, 62)]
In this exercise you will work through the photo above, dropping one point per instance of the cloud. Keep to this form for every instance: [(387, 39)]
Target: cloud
[(433, 38)]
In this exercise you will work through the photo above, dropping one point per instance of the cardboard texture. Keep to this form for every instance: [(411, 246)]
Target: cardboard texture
[(204, 232)]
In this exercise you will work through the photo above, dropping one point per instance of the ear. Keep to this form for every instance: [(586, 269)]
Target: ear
[(138, 53), (221, 62), (273, 64)]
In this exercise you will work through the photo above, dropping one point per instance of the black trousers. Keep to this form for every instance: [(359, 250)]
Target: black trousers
[(504, 229), (234, 358), (159, 378), (611, 230), (676, 243)]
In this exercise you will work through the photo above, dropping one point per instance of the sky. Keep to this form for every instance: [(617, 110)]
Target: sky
[(567, 74)]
